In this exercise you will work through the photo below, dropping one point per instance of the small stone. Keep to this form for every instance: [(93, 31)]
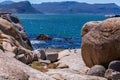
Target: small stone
[(52, 56), (112, 75), (97, 70)]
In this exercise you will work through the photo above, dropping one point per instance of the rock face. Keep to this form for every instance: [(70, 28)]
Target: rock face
[(15, 28), (14, 39), (12, 69), (15, 48), (101, 42)]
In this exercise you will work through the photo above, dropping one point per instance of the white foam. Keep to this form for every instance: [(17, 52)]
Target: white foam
[(36, 42), (58, 39)]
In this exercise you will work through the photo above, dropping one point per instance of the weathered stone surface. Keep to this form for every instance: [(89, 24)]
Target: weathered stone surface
[(11, 38), (12, 69), (14, 43), (9, 28), (101, 42), (28, 55), (73, 60), (7, 46), (97, 70), (67, 74), (44, 37)]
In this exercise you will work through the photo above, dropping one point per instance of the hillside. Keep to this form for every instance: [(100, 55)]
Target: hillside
[(6, 2), (19, 7), (76, 7)]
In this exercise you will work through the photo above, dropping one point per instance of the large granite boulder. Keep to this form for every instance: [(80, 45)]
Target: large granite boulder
[(101, 42), (13, 27), (14, 39)]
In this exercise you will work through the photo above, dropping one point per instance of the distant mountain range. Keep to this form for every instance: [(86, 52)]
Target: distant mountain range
[(67, 7), (71, 7), (6, 2), (19, 7)]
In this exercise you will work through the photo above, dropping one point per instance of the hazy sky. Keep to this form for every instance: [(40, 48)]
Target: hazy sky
[(88, 1)]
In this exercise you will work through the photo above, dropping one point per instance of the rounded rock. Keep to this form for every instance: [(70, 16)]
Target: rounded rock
[(97, 70), (114, 65), (100, 42)]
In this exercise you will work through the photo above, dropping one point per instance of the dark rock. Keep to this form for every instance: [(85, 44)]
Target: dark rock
[(112, 16), (66, 39), (62, 66), (41, 55), (100, 42), (112, 75), (97, 70), (114, 65), (44, 37), (23, 55), (52, 57)]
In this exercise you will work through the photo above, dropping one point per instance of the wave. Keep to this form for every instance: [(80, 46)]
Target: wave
[(37, 42)]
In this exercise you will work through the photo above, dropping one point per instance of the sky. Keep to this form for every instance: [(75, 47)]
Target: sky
[(88, 1)]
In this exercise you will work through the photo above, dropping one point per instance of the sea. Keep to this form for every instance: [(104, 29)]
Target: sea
[(65, 29)]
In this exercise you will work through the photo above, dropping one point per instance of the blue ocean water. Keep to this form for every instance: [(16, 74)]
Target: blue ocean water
[(64, 28)]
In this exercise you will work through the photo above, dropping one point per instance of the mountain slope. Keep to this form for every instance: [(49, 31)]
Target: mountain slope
[(20, 7), (76, 7), (6, 2)]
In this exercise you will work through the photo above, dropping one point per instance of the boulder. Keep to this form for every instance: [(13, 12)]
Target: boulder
[(100, 42), (13, 38), (16, 24), (97, 70), (114, 65), (44, 37)]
